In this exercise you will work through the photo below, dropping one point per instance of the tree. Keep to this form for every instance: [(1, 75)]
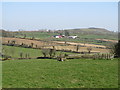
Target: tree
[(32, 44), (48, 52), (89, 49), (77, 48), (53, 47), (13, 42), (8, 41), (26, 56), (21, 55), (36, 46), (52, 52), (33, 37), (61, 57), (65, 43), (24, 36), (67, 33), (60, 33), (45, 52), (115, 49)]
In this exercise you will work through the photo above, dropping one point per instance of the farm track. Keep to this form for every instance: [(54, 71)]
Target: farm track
[(59, 45)]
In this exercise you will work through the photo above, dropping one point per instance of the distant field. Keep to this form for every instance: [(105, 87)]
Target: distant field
[(35, 34), (76, 73), (58, 43), (81, 49), (84, 35)]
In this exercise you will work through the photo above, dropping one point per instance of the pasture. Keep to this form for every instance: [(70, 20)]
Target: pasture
[(14, 52), (87, 33), (49, 73), (84, 36)]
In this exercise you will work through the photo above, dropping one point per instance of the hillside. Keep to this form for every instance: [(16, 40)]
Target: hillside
[(93, 31), (82, 31), (91, 35), (85, 35)]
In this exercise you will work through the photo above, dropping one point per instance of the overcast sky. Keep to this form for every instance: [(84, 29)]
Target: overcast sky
[(59, 15)]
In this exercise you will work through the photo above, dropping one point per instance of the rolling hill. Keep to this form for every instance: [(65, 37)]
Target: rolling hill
[(100, 31)]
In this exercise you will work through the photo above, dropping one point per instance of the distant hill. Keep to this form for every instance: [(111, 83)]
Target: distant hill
[(82, 33), (99, 31), (91, 33)]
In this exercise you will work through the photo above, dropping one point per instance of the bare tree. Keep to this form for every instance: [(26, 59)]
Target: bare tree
[(36, 46), (26, 55), (8, 41), (52, 52), (65, 43), (45, 52), (67, 33), (89, 49), (53, 47), (61, 57), (13, 42), (77, 48), (21, 55), (32, 44)]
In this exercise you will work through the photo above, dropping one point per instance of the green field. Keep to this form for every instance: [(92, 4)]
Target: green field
[(86, 37), (14, 52), (40, 35), (82, 33), (49, 73)]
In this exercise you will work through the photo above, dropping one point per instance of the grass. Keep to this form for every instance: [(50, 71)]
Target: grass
[(14, 52), (48, 35), (82, 40), (76, 73), (40, 35)]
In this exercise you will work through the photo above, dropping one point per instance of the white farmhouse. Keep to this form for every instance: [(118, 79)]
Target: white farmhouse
[(73, 37)]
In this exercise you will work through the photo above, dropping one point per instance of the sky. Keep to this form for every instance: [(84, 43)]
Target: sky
[(59, 15)]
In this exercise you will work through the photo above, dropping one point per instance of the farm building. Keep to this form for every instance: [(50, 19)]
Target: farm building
[(72, 37), (58, 36)]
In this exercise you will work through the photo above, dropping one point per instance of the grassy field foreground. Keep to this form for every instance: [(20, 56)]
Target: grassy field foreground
[(76, 73)]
